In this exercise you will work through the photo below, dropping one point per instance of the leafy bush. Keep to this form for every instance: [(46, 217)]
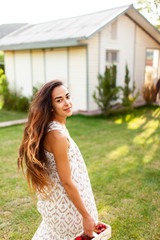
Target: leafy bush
[(1, 56), (149, 92), (1, 60), (3, 87), (35, 90), (11, 100), (127, 99), (107, 90), (3, 82)]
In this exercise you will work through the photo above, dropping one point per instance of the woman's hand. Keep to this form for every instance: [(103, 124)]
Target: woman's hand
[(88, 225)]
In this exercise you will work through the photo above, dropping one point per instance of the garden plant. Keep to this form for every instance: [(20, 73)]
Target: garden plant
[(107, 91), (128, 92)]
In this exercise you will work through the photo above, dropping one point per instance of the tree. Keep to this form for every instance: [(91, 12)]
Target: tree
[(107, 90), (151, 10), (127, 99)]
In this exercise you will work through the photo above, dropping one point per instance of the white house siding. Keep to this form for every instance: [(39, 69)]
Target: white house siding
[(9, 69), (38, 72), (23, 72), (93, 66), (107, 39), (69, 65), (143, 41), (25, 69), (123, 42), (77, 77), (56, 64)]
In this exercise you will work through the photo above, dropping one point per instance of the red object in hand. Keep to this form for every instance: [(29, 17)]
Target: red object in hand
[(104, 226), (100, 227)]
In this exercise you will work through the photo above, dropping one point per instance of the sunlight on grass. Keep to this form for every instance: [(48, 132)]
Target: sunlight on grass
[(118, 152), (136, 122), (128, 117), (118, 121), (146, 136), (152, 124), (108, 211), (156, 113), (149, 155)]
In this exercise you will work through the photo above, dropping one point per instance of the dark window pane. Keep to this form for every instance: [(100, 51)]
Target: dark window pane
[(114, 56), (107, 56)]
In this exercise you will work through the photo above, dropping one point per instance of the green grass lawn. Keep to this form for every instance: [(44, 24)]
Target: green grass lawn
[(123, 160), (11, 115)]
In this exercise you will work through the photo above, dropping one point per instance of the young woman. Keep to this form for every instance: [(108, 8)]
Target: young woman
[(55, 168)]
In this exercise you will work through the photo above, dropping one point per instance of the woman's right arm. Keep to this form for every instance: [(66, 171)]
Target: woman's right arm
[(58, 145)]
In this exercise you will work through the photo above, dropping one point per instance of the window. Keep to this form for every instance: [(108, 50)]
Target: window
[(152, 72), (112, 56), (149, 58)]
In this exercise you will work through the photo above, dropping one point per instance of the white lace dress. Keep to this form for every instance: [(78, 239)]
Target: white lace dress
[(61, 220)]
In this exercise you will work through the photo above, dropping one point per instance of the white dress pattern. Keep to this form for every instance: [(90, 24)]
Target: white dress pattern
[(61, 219)]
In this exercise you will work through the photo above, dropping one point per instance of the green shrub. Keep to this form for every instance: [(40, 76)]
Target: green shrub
[(1, 57), (11, 100), (127, 99), (1, 60), (3, 87), (107, 90), (35, 90), (3, 82)]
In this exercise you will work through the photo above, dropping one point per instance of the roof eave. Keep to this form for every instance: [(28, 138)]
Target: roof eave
[(40, 45)]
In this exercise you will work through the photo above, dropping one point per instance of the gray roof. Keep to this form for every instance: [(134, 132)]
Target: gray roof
[(8, 28), (67, 32)]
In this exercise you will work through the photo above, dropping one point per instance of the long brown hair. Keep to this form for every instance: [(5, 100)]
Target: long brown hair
[(31, 150)]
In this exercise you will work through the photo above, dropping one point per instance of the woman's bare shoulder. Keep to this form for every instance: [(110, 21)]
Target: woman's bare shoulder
[(54, 139)]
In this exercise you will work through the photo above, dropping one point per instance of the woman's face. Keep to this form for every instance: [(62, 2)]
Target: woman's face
[(61, 102)]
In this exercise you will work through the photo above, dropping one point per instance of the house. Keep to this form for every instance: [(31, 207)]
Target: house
[(76, 49)]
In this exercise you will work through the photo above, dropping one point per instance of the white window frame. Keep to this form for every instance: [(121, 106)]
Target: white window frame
[(110, 60)]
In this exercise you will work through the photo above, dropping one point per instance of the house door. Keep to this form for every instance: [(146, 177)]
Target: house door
[(152, 65)]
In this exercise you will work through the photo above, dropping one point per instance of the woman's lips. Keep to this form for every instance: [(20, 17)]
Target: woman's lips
[(68, 109)]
